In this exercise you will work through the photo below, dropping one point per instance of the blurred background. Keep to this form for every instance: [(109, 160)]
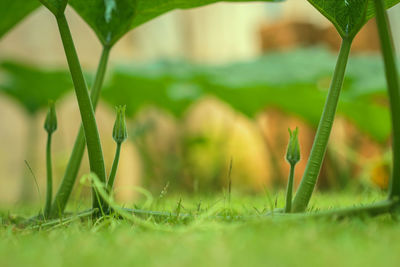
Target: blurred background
[(204, 88)]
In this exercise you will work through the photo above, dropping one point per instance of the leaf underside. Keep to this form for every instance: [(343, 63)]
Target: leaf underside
[(111, 19), (348, 16), (14, 11), (57, 7), (32, 87)]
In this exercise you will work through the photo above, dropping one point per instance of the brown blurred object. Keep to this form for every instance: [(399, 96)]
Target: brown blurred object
[(289, 34), (380, 173)]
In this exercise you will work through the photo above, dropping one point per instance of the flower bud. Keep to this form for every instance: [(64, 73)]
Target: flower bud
[(293, 149), (50, 124), (120, 134)]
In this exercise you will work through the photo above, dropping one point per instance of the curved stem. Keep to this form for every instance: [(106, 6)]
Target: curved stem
[(289, 191), (49, 190), (71, 172), (95, 152), (314, 163), (392, 80), (114, 167)]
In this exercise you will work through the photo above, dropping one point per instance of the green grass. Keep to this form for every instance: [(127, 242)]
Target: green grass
[(202, 242)]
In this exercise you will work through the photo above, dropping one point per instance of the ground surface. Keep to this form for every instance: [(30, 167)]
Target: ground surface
[(204, 242)]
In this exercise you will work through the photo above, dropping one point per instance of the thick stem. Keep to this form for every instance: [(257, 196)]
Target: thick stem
[(49, 189), (95, 152), (392, 80), (75, 159), (289, 191), (114, 167), (318, 150), (71, 172)]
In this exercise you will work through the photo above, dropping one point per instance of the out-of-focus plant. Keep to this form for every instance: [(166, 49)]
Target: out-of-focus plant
[(33, 86), (283, 80), (174, 86)]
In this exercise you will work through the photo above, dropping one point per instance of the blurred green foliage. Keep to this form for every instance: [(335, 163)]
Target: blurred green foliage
[(32, 87), (295, 82), (13, 11)]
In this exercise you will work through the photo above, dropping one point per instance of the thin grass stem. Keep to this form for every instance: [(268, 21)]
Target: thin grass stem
[(289, 191), (114, 168), (49, 189)]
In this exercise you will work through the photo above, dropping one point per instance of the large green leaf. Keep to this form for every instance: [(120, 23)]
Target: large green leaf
[(13, 11), (32, 87), (111, 19), (348, 16), (57, 7), (371, 7)]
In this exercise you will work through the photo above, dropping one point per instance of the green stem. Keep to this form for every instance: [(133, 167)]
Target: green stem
[(49, 190), (71, 172), (314, 163), (370, 210), (114, 167), (289, 191), (392, 80), (95, 152)]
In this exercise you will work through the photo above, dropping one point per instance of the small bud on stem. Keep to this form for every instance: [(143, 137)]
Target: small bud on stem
[(120, 134), (292, 156), (293, 149), (50, 124)]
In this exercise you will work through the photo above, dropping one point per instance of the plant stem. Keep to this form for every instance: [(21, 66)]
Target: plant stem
[(114, 167), (392, 80), (95, 152), (318, 150), (49, 190), (289, 191), (71, 172), (374, 209)]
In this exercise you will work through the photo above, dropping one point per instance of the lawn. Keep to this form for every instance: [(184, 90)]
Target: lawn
[(210, 242)]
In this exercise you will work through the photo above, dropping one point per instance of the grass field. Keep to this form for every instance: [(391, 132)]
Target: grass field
[(210, 242)]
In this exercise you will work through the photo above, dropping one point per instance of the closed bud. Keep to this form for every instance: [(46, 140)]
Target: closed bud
[(120, 133), (50, 124), (293, 149)]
